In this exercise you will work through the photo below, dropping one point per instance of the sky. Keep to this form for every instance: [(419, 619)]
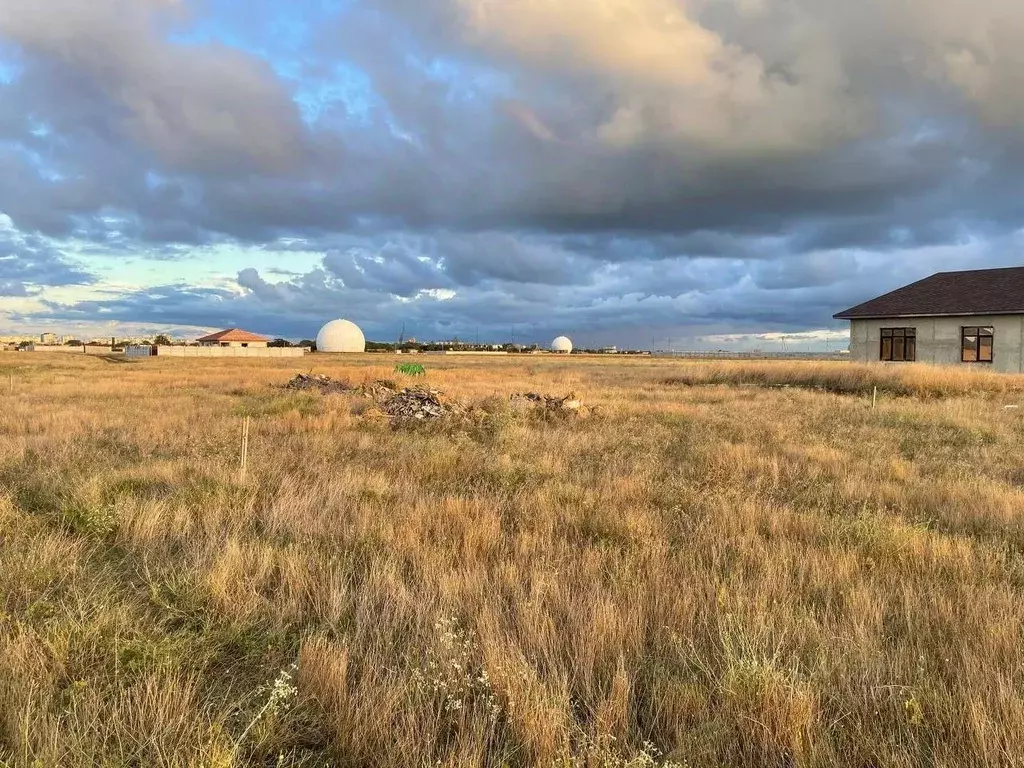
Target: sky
[(668, 173)]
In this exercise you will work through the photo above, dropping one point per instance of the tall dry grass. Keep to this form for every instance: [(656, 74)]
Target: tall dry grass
[(701, 576), (850, 379)]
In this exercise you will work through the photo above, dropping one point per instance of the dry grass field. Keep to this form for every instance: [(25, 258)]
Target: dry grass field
[(712, 570)]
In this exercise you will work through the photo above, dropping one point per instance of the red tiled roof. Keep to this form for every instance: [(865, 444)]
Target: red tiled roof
[(234, 334), (974, 292)]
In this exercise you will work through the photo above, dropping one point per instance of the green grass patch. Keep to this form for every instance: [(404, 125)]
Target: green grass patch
[(411, 369)]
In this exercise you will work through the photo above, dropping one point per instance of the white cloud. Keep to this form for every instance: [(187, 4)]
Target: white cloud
[(670, 76)]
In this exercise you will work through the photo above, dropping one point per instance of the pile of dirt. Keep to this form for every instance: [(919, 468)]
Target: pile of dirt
[(318, 382)]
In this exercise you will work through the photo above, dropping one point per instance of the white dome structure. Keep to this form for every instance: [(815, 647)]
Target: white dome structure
[(340, 336), (562, 344)]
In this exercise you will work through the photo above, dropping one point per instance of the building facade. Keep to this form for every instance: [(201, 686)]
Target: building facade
[(973, 318)]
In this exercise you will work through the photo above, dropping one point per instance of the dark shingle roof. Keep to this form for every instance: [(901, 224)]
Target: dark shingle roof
[(976, 292)]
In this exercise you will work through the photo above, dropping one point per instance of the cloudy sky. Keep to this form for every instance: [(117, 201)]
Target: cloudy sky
[(624, 171)]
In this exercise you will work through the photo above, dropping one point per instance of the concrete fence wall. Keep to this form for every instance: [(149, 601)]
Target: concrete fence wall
[(467, 352), (754, 355), (146, 351), (73, 350), (230, 351)]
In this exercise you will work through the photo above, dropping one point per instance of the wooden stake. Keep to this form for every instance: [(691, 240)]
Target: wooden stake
[(245, 450), (874, 397)]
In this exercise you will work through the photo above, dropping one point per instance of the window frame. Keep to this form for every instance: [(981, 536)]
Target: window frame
[(891, 335), (978, 333)]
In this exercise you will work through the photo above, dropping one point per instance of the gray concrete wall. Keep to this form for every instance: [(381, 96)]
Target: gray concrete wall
[(73, 350), (230, 351), (466, 352), (938, 340)]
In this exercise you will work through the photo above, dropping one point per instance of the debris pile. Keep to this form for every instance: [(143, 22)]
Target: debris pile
[(418, 403), (570, 403), (318, 382), (413, 403), (378, 391), (421, 403)]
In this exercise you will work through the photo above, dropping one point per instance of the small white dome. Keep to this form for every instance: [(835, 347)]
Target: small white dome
[(340, 336), (561, 344)]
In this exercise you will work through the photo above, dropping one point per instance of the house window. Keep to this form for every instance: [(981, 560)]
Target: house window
[(976, 344), (898, 345), (244, 344)]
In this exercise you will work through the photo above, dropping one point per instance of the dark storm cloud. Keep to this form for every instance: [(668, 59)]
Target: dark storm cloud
[(491, 170), (806, 271), (162, 304), (391, 270), (849, 152), (29, 263), (730, 163), (476, 258)]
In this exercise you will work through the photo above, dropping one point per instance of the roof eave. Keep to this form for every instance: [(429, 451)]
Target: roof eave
[(884, 316)]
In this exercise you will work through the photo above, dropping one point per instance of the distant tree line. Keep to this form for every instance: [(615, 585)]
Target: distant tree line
[(438, 346), (307, 343)]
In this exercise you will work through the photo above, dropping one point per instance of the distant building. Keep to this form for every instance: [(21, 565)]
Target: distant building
[(233, 337), (951, 318), (48, 338)]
